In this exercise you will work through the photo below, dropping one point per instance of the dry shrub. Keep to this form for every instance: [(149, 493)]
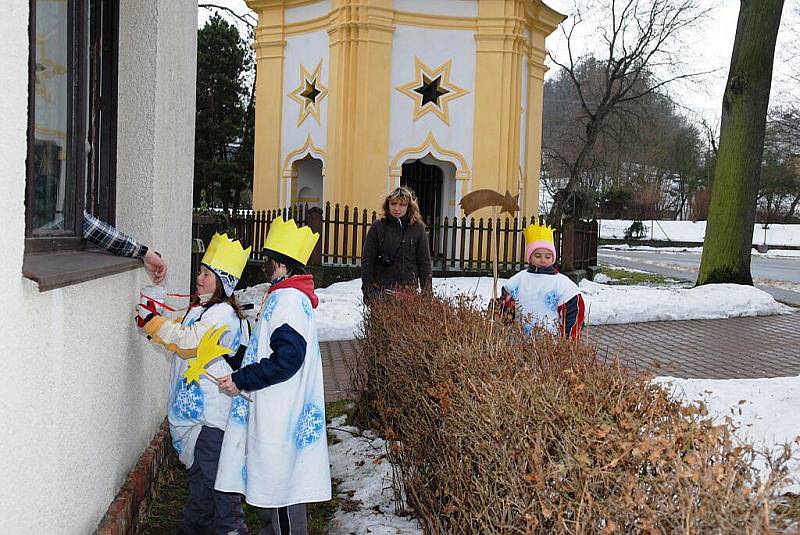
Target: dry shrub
[(495, 432)]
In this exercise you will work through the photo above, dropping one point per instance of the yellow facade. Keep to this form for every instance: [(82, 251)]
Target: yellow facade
[(359, 165)]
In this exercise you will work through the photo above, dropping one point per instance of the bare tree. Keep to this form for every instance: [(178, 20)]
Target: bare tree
[(646, 160), (247, 19), (640, 38)]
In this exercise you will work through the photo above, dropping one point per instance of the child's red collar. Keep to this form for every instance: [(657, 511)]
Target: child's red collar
[(304, 283)]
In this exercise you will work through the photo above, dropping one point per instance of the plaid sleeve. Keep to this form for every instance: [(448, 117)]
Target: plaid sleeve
[(109, 238)]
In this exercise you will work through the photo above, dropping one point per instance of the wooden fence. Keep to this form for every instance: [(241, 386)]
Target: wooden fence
[(458, 245)]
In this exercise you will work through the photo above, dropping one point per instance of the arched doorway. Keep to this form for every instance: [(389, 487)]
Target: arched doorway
[(427, 182), (307, 186), (433, 180)]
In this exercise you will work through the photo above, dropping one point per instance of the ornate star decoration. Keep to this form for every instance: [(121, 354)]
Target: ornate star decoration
[(309, 93), (431, 90)]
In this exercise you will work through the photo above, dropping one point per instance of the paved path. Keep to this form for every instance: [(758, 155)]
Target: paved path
[(336, 362), (767, 346)]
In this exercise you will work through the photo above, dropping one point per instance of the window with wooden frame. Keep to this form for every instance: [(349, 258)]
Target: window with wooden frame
[(71, 161)]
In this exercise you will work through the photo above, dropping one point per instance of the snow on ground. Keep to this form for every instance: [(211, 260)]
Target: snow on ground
[(772, 253), (365, 485), (629, 304), (689, 231), (764, 410), (602, 278)]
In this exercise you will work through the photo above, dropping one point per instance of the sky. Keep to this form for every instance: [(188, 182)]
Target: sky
[(707, 48)]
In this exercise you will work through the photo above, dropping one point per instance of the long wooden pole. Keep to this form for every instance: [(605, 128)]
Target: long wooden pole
[(494, 252)]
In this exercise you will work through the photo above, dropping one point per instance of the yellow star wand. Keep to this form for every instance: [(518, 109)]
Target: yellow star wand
[(208, 350)]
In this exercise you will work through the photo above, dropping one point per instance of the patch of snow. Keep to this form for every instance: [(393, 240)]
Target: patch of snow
[(779, 253), (365, 484), (764, 411), (690, 231), (602, 278), (339, 313), (630, 304)]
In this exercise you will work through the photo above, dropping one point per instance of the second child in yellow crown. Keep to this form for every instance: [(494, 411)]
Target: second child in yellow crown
[(540, 295), (198, 411), (275, 450)]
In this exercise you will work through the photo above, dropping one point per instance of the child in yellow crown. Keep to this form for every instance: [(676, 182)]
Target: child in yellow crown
[(198, 413), (540, 295), (275, 452)]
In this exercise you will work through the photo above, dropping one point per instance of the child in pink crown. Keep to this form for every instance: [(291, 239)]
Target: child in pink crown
[(540, 295)]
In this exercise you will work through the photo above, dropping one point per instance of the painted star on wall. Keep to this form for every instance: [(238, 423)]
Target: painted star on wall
[(310, 93), (431, 90)]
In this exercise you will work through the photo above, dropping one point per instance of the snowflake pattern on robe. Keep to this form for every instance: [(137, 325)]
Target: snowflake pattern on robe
[(189, 401), (251, 353), (244, 474), (178, 445), (307, 308), (240, 410), (551, 299), (269, 308), (236, 341), (310, 426), (514, 292)]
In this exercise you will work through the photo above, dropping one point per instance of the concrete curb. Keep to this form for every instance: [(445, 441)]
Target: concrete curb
[(133, 499)]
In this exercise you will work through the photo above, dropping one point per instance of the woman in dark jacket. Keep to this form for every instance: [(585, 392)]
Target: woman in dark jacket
[(396, 257)]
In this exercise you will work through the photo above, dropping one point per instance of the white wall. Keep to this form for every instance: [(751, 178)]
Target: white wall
[(83, 394), (456, 8), (433, 47), (307, 50), (307, 12)]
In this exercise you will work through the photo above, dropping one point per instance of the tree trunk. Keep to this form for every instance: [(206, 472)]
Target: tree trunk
[(729, 234), (560, 202), (792, 208)]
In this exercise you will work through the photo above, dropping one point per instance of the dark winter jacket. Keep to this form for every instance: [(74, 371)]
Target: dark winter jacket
[(406, 246)]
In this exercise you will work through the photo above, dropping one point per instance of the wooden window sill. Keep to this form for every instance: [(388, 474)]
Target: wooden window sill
[(59, 269)]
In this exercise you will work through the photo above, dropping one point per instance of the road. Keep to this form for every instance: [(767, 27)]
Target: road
[(778, 276)]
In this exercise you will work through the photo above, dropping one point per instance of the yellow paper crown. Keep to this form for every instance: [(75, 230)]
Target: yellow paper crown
[(536, 233), (286, 238), (226, 255)]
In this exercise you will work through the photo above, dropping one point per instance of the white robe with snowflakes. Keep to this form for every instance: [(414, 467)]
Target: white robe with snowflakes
[(191, 406), (538, 296), (275, 449)]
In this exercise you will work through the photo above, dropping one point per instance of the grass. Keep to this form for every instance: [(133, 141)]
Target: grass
[(171, 493), (630, 278)]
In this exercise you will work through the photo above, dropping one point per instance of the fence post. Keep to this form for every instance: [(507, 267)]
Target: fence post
[(593, 234), (568, 244), (314, 222)]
